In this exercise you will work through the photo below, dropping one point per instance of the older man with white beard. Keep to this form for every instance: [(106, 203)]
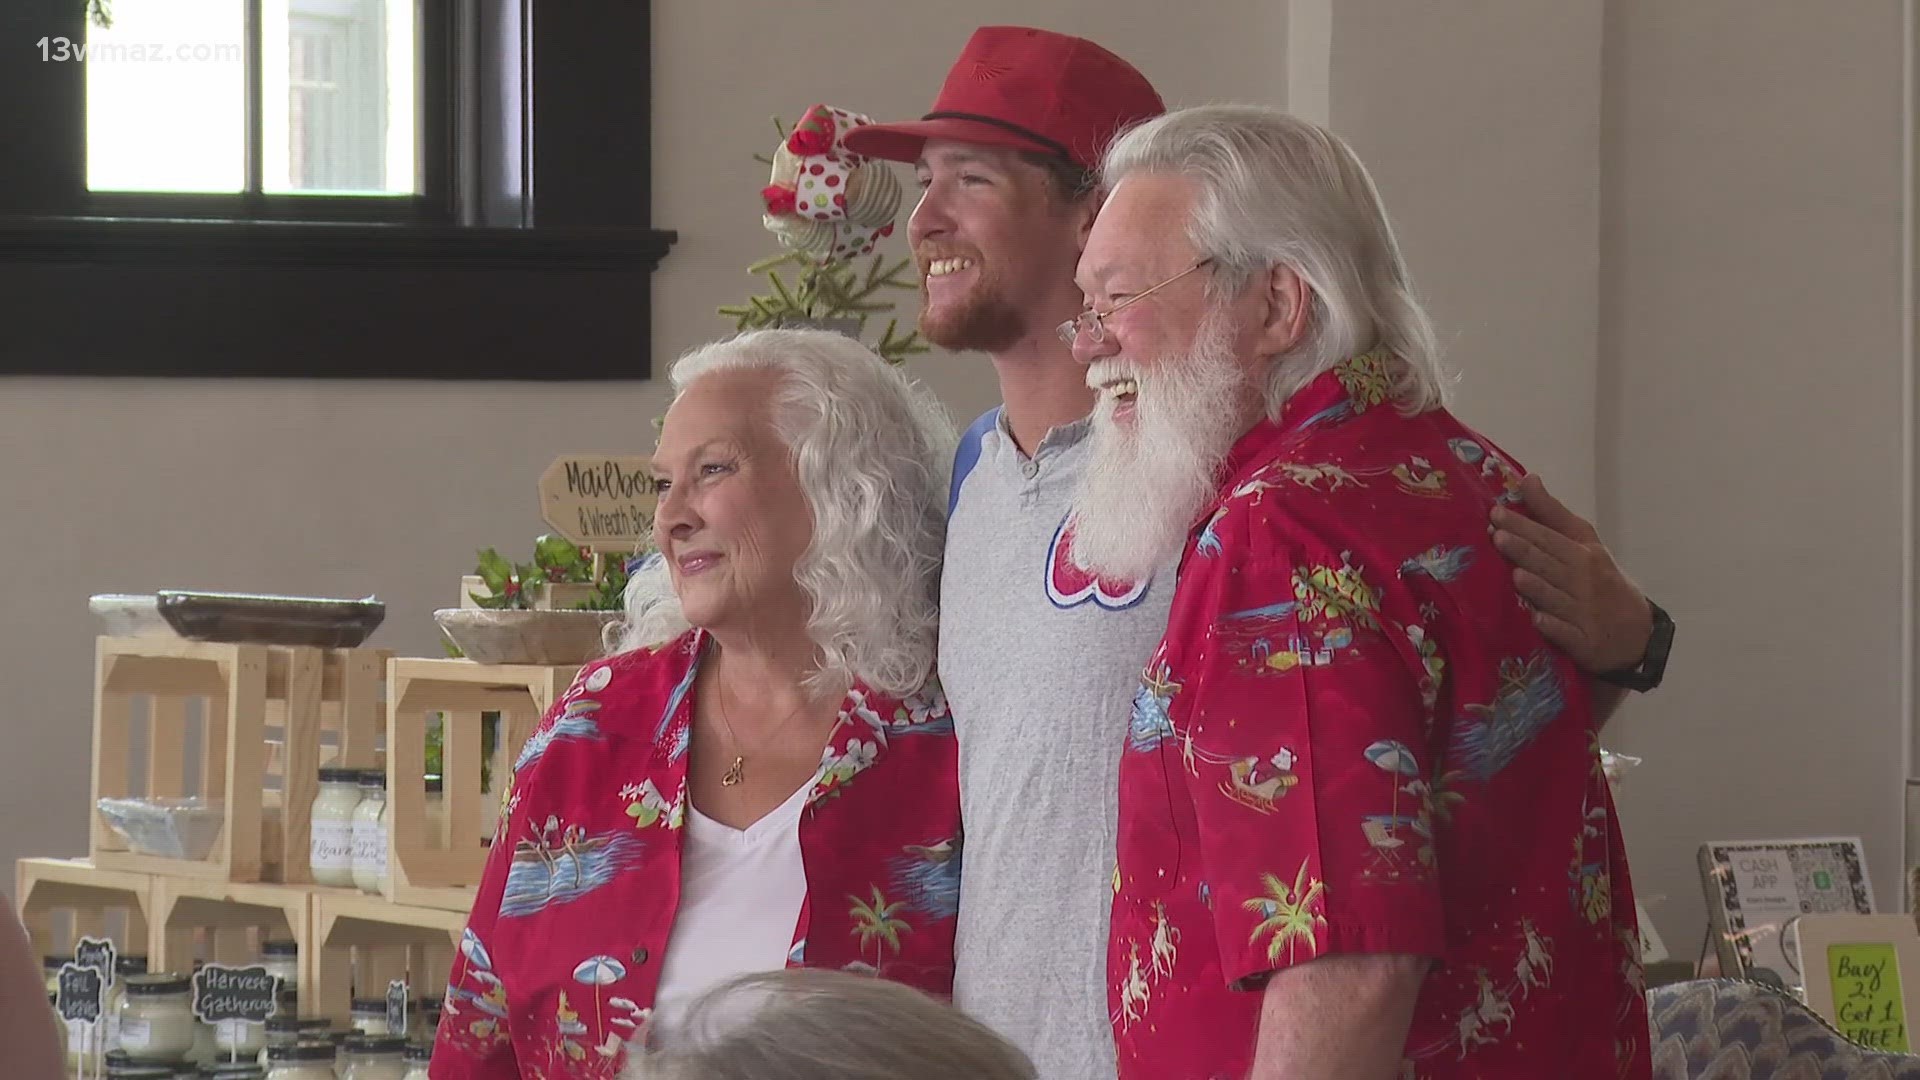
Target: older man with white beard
[(1354, 768)]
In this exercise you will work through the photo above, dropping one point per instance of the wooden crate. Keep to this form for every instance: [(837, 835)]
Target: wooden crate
[(227, 921), (364, 942), (247, 691), (63, 900), (438, 867)]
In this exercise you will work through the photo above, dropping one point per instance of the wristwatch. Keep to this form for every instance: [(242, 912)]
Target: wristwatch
[(1652, 667)]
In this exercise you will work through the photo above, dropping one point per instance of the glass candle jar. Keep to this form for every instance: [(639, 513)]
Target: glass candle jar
[(282, 958), (300, 1061), (369, 1016), (330, 851), (123, 968), (370, 832), (418, 1056), (236, 1039), (374, 1057), (425, 1020), (156, 1018), (288, 1029)]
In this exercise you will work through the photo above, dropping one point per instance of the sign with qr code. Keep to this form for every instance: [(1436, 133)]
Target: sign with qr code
[(1757, 889)]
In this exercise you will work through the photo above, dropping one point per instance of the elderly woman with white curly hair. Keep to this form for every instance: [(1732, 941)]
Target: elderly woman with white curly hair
[(764, 775)]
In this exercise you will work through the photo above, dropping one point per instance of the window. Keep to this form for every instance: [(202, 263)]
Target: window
[(393, 137), (290, 109)]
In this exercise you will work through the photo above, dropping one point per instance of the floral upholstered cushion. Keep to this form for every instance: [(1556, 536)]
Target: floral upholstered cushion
[(1727, 1029)]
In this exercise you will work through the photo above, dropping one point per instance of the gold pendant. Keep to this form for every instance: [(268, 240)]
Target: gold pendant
[(732, 776)]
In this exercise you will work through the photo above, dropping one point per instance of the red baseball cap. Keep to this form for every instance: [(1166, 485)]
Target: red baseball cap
[(1027, 89)]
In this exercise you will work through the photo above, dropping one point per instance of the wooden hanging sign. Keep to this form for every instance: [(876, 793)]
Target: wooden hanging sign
[(600, 500)]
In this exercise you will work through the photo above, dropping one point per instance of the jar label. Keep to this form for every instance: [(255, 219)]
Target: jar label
[(332, 846), (136, 1034), (370, 847)]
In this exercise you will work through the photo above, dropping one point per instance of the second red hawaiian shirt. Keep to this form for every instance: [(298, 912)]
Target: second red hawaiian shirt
[(1353, 740)]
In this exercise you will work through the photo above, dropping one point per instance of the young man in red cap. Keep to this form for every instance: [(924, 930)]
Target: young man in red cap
[(1040, 660)]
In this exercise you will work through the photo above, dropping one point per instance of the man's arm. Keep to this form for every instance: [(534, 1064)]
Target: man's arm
[(1581, 600), (1338, 1018)]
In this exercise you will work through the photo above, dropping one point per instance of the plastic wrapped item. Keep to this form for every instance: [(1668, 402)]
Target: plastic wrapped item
[(555, 638), (1616, 766), (175, 828), (124, 615)]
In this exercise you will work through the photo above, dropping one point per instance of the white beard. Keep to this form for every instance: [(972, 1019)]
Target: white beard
[(1150, 480)]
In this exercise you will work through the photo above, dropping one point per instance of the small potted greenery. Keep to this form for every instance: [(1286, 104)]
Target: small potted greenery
[(556, 610)]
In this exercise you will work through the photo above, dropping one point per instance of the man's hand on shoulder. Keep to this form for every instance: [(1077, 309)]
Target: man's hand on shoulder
[(1581, 600)]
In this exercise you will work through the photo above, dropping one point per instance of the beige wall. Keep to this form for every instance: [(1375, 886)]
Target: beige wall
[(1751, 422), (1661, 241), (1490, 171)]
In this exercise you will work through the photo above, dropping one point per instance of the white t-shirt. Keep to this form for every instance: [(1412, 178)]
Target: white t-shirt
[(740, 897)]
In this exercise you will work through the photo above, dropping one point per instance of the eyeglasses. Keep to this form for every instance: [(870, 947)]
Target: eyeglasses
[(1091, 320)]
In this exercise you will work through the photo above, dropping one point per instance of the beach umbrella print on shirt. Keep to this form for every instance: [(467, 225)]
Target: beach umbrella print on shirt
[(1394, 757), (597, 972)]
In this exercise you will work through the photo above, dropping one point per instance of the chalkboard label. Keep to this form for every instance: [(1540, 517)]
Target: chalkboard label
[(80, 993), (235, 993), (397, 1007), (98, 955)]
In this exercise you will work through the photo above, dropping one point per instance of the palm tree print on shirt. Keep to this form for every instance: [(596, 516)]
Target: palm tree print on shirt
[(876, 925), (1288, 914)]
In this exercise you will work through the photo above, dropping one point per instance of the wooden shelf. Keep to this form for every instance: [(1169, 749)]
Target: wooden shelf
[(89, 895), (451, 854), (226, 921), (247, 690), (363, 941)]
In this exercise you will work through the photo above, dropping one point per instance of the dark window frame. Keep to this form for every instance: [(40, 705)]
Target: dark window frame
[(481, 167), (576, 200)]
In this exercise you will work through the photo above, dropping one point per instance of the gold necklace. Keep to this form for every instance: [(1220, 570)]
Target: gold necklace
[(737, 772)]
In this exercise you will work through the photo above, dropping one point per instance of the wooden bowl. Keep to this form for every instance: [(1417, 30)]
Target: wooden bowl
[(550, 638)]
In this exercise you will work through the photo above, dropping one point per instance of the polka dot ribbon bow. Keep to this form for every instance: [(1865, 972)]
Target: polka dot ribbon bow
[(824, 200)]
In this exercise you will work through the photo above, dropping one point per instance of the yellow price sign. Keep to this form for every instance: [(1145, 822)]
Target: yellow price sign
[(1868, 1005)]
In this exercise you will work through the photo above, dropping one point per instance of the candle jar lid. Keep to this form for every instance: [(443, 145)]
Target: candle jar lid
[(304, 1051), (161, 983)]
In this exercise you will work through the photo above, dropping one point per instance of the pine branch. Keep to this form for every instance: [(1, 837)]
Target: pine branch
[(772, 261), (780, 290)]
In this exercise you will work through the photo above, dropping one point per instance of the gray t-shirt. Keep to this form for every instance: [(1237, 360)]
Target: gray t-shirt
[(1039, 666)]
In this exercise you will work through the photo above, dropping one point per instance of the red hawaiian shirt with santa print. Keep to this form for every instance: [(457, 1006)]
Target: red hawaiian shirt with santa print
[(1353, 740), (560, 960)]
